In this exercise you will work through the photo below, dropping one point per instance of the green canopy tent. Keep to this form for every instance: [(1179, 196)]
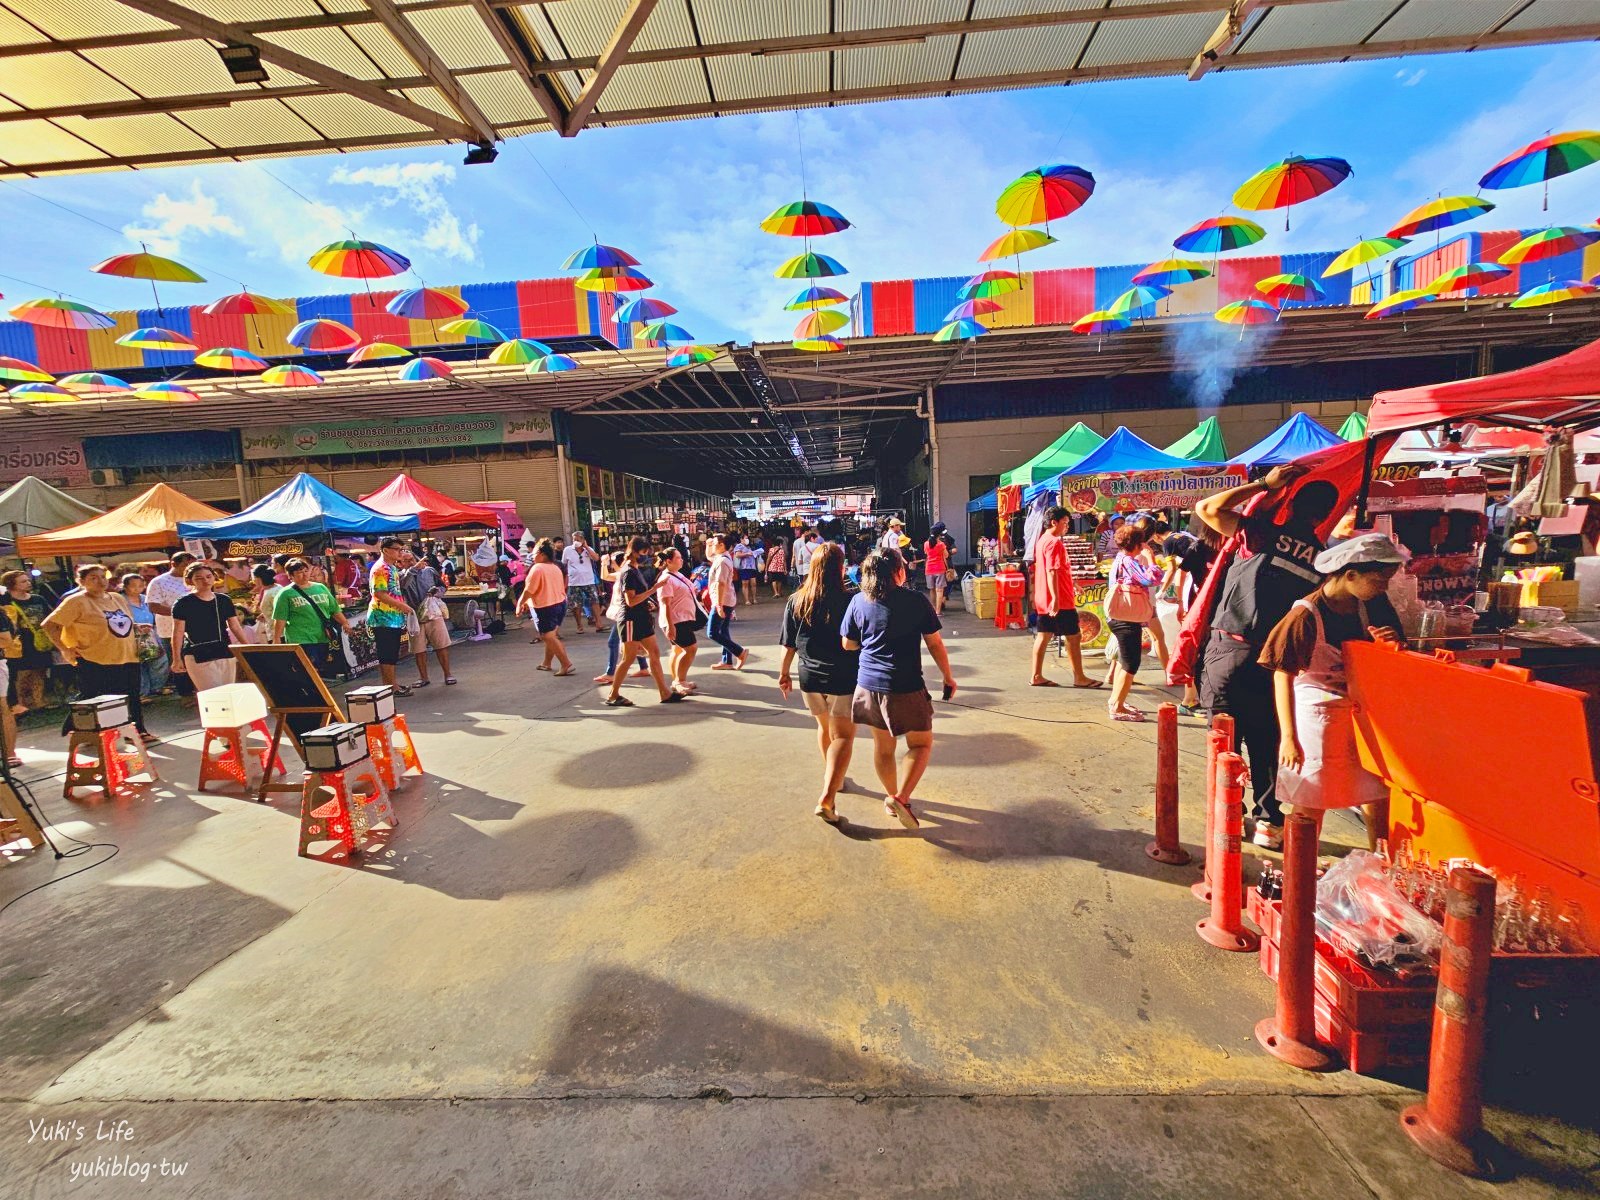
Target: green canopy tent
[(1056, 458), (1354, 427), (1202, 444)]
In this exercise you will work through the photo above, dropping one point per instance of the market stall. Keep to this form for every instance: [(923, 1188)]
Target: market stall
[(147, 522), (1055, 458), (1295, 438), (440, 514), (32, 506)]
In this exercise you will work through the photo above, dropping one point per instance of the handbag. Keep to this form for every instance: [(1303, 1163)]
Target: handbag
[(336, 661), (1129, 602), (617, 605)]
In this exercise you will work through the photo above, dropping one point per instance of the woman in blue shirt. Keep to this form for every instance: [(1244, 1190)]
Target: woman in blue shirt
[(154, 668)]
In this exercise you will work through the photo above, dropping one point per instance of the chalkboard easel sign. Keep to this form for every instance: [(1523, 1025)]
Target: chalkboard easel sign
[(296, 696)]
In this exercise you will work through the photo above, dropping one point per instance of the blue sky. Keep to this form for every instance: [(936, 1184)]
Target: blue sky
[(917, 178)]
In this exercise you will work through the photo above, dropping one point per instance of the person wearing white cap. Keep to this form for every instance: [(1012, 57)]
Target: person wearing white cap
[(1319, 767), (893, 536)]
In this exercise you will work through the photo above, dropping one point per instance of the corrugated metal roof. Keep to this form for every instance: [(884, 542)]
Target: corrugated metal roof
[(339, 116), (876, 14), (1151, 39), (1440, 18), (84, 18), (1022, 50), (655, 83), (128, 135), (458, 36), (1552, 16), (880, 66), (1318, 25), (250, 123), (50, 80), (504, 95), (334, 47)]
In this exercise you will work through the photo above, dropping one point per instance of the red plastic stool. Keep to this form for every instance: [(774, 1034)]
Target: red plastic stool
[(1010, 591), (232, 765), (104, 760), (380, 744), (342, 807)]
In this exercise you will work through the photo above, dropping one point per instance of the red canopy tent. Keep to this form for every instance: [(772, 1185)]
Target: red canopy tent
[(403, 496), (1561, 391)]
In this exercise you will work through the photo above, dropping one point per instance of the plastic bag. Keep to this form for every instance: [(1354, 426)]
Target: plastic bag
[(1362, 913)]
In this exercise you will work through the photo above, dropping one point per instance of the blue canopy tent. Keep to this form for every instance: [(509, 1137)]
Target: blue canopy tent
[(305, 508), (988, 502), (1299, 436), (1122, 452)]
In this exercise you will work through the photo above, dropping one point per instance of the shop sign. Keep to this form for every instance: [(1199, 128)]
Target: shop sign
[(1394, 471), (580, 479), (322, 439), (210, 551), (1447, 578), (53, 460), (1465, 493), (1131, 491)]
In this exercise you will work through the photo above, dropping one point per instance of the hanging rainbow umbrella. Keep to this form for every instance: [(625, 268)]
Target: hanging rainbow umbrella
[(353, 259), (153, 337), (810, 266), (1172, 271), (1440, 214), (552, 364), (969, 310), (664, 331), (613, 279), (1100, 322), (43, 393), (376, 352), (1399, 302), (815, 297), (518, 352), (230, 358), (324, 336), (94, 383), (1363, 251), (423, 368), (1136, 299), (1217, 235), (248, 304), (1279, 288), (819, 321), (1549, 243), (1044, 194), (1554, 293), (1018, 241), (426, 304), (471, 327), (986, 285), (166, 393), (1544, 160), (688, 356), (644, 308), (805, 218), (291, 375), (824, 343), (960, 330), (1472, 275), (1294, 180), (15, 370), (598, 256), (57, 313), (145, 265), (1247, 312)]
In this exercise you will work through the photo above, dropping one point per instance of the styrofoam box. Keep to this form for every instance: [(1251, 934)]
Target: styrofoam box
[(231, 705)]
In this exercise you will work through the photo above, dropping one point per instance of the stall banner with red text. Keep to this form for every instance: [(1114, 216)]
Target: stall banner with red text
[(1131, 491)]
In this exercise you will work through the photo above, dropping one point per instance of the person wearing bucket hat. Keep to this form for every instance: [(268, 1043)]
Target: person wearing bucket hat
[(1318, 765), (893, 532)]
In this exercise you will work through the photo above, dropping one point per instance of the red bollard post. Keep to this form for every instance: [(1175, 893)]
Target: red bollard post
[(1224, 928), (1219, 740), (1166, 849), (1448, 1126), (1290, 1034)]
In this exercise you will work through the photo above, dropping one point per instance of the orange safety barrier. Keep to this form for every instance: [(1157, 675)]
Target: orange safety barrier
[(1165, 848), (1219, 740), (1224, 928), (1290, 1033)]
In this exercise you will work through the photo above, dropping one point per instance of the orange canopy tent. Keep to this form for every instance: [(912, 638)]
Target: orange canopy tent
[(403, 496), (147, 522)]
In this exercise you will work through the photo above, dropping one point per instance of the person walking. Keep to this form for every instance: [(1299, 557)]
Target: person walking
[(202, 623), (680, 613), (936, 563), (544, 598), (811, 630), (724, 598), (30, 653), (1055, 601), (579, 560), (1128, 611), (892, 533), (263, 591), (777, 566), (387, 610), (307, 615), (889, 624), (152, 654), (638, 626), (610, 570), (8, 721), (161, 593), (744, 561), (804, 546), (94, 629)]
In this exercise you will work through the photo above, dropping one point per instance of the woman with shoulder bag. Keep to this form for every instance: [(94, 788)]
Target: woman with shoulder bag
[(1128, 610), (202, 623), (305, 614)]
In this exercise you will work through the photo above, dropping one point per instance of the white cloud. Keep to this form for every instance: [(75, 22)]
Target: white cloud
[(419, 188), (172, 219), (1411, 78)]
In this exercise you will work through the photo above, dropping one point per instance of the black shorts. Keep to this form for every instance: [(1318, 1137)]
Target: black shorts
[(636, 629), (386, 639), (1063, 624), (1129, 637), (683, 634), (548, 619)]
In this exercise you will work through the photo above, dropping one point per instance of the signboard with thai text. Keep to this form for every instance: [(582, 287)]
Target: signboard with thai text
[(322, 439), (54, 460), (1132, 491)]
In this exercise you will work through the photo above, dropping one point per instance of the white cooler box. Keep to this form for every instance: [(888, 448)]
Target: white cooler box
[(369, 705), (231, 706), (99, 712)]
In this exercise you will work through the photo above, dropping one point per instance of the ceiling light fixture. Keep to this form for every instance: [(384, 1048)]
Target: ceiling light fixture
[(480, 153), (243, 62)]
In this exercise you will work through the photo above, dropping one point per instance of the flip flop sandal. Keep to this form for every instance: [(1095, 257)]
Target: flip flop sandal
[(619, 702), (828, 814), (401, 689), (557, 674), (1132, 714), (541, 668), (1045, 683), (450, 679), (421, 683), (1090, 686)]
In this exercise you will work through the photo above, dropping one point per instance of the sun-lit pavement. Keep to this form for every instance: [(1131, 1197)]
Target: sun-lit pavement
[(612, 952)]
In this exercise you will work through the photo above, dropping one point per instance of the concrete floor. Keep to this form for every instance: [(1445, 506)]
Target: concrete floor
[(612, 951)]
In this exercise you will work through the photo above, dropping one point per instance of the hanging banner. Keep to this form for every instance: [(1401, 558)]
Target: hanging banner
[(1447, 578), (1131, 491), (321, 439)]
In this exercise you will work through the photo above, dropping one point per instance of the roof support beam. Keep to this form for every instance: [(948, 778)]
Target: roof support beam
[(638, 12), (374, 94), (505, 26), (1227, 36), (417, 49)]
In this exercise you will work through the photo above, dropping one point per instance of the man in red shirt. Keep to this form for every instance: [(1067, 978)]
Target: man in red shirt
[(1055, 602)]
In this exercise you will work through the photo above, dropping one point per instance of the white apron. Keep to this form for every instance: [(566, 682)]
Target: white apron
[(1332, 775)]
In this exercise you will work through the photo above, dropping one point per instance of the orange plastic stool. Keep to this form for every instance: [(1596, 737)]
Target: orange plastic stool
[(104, 760), (1010, 591), (342, 807), (232, 765), (380, 744)]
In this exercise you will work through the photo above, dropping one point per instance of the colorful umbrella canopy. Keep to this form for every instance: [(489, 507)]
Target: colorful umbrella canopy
[(644, 308), (1018, 241), (1354, 427), (552, 364), (518, 352), (988, 284), (822, 320), (56, 313), (426, 304), (1136, 299), (94, 383), (167, 393), (424, 368), (1247, 312), (325, 335), (969, 309), (1217, 235), (145, 265), (598, 256), (1543, 160), (375, 351), (248, 304), (153, 337), (665, 331), (43, 393), (1399, 302), (1440, 214), (1363, 251), (805, 218), (1469, 276), (960, 330), (352, 259), (613, 279), (1554, 293), (1279, 288), (822, 344), (230, 358), (291, 375), (471, 327), (1294, 180), (1548, 243), (1170, 271), (688, 356), (1101, 322), (1044, 194), (810, 266), (15, 370), (815, 297)]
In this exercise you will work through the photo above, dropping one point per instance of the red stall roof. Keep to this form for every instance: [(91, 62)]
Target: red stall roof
[(403, 496), (1561, 391)]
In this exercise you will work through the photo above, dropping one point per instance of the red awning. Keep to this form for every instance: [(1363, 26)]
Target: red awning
[(1562, 391), (403, 496)]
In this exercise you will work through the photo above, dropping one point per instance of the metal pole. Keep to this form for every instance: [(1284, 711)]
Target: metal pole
[(1290, 1034)]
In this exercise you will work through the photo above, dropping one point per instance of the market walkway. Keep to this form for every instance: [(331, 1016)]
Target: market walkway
[(613, 952)]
